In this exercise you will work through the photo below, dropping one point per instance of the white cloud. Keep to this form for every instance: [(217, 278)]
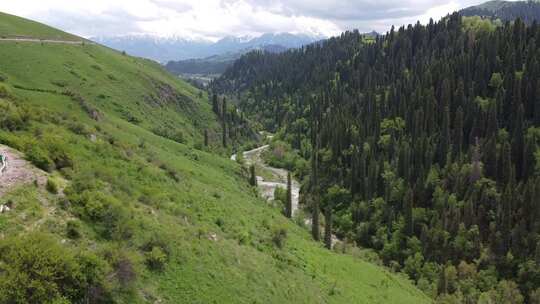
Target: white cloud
[(213, 19)]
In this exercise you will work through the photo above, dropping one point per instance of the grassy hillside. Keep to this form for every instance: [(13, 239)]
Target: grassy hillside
[(527, 11), (135, 209), (13, 26)]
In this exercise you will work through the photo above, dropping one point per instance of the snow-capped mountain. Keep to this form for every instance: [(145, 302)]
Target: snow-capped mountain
[(177, 48)]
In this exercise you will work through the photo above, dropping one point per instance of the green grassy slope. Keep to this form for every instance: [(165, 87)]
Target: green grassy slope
[(90, 116), (13, 26)]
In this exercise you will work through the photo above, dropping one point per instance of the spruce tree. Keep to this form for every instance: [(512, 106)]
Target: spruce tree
[(215, 104), (328, 226), (476, 169), (518, 141), (537, 253), (458, 132), (536, 117), (408, 212), (224, 126), (288, 204), (442, 286), (444, 138), (252, 176)]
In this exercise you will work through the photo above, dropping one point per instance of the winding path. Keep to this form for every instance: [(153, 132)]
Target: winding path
[(34, 40), (19, 171)]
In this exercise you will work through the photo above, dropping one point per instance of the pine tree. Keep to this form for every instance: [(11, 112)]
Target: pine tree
[(328, 227), (206, 137), (215, 104), (224, 126), (536, 117), (518, 142), (537, 254), (252, 176), (458, 132), (444, 139), (315, 139), (490, 157), (505, 164), (224, 133), (408, 212), (288, 205), (442, 287), (476, 170)]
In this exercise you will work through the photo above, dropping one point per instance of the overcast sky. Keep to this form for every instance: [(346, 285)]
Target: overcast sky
[(213, 19)]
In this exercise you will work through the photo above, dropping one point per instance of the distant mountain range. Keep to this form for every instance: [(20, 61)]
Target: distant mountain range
[(167, 49), (215, 65), (528, 11), (202, 70)]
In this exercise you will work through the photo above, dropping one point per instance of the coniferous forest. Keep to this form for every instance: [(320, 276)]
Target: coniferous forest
[(423, 144)]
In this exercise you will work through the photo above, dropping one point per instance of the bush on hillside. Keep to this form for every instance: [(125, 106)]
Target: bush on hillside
[(12, 116), (51, 186), (156, 259), (170, 133), (156, 252), (36, 269), (110, 217), (37, 156), (279, 236), (73, 229), (57, 152)]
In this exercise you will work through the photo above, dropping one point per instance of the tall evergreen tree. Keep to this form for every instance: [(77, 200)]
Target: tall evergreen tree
[(224, 126), (252, 176), (328, 227), (288, 204), (215, 104)]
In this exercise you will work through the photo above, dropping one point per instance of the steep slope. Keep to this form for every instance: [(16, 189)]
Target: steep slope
[(134, 209), (528, 11)]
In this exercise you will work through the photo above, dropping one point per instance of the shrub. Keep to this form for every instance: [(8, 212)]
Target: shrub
[(58, 154), (220, 222), (156, 259), (170, 133), (39, 158), (37, 269), (51, 186), (79, 128), (125, 271), (12, 117), (280, 194), (3, 92), (279, 236), (73, 229), (111, 218)]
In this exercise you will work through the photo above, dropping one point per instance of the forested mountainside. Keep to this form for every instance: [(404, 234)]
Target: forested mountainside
[(118, 190), (528, 11), (424, 144)]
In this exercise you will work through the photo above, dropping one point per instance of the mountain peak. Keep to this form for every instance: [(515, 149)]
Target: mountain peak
[(165, 49)]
